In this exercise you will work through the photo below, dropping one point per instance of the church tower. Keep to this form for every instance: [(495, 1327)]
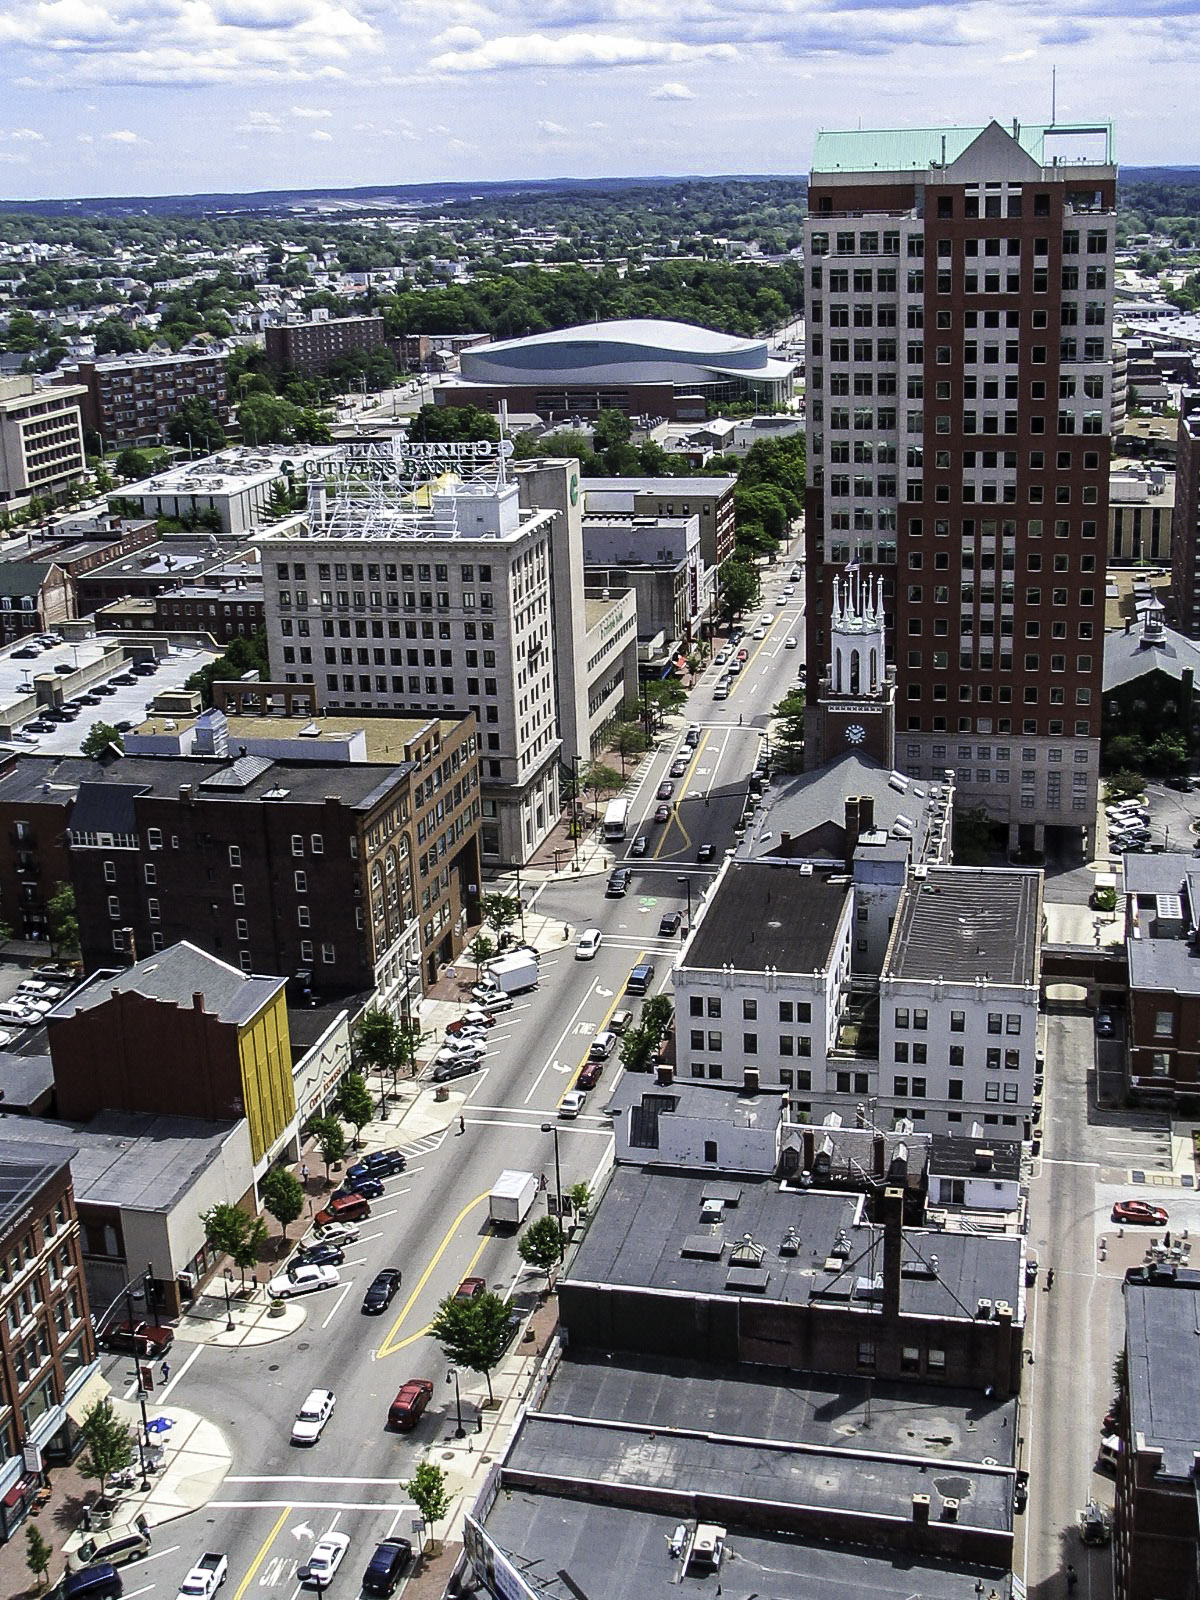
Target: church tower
[(856, 702)]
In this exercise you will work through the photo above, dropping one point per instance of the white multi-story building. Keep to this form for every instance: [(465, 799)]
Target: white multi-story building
[(411, 588), (41, 440)]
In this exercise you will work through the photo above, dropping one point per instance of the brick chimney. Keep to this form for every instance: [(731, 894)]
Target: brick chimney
[(852, 829), (866, 812)]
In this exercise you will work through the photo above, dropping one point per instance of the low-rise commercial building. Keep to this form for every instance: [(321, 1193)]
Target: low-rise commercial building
[(41, 440), (1141, 508), (659, 559), (611, 659), (166, 563), (709, 498), (238, 489), (130, 399), (1162, 914)]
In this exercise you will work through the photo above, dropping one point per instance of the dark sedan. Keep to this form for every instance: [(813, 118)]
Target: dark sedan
[(381, 1291), (319, 1255), (369, 1188)]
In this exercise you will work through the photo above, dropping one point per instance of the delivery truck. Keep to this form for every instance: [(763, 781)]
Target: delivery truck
[(512, 1195), (514, 972)]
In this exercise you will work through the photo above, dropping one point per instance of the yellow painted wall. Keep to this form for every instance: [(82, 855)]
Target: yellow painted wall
[(265, 1053)]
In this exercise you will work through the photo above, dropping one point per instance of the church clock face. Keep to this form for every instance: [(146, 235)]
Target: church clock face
[(856, 733)]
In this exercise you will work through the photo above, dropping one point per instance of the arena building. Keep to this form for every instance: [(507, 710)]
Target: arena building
[(642, 367)]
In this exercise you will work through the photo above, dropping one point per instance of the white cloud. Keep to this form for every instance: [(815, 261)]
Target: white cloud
[(122, 136), (321, 135), (525, 50), (260, 122), (24, 136), (552, 130), (672, 91), (461, 38), (311, 113)]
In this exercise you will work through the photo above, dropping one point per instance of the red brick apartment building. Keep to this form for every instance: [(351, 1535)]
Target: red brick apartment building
[(959, 316)]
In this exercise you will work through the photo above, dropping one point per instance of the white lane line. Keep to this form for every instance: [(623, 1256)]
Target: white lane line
[(560, 1042), (337, 1304), (308, 1505), (158, 1555), (390, 1213), (162, 1397), (304, 1477)]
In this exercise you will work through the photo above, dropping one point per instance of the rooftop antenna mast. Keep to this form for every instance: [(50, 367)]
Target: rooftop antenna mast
[(500, 477), (1053, 95)]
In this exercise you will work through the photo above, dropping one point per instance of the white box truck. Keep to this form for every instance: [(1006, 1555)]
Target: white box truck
[(512, 1195), (514, 972)]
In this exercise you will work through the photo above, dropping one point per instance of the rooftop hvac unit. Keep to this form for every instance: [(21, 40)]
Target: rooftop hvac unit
[(983, 1309)]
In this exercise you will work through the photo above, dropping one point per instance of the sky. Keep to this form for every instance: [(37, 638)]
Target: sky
[(111, 97)]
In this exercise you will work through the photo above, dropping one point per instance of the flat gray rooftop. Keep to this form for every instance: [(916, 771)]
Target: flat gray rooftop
[(647, 1233), (963, 923), (553, 1534), (762, 915), (1164, 1368)]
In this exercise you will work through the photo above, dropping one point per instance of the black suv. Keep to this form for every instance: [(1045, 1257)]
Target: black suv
[(618, 883), (387, 1566), (379, 1164)]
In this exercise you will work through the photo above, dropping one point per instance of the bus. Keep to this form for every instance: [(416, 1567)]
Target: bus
[(616, 815)]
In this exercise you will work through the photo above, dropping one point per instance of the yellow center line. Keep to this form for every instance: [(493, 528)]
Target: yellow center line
[(262, 1553), (402, 1344), (387, 1348), (673, 821), (751, 659), (619, 996)]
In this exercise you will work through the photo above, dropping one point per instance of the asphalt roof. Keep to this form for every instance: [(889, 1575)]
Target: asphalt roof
[(1162, 960), (23, 1172), (647, 1233), (962, 923), (1129, 656), (953, 1156), (588, 1543), (1161, 1320), (176, 974), (23, 577), (761, 915)]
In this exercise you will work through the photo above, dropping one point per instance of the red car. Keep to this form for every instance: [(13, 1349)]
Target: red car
[(141, 1338), (405, 1410), (470, 1288), (1140, 1211), (589, 1075)]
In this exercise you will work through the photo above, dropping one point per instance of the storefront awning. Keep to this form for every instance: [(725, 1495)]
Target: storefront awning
[(85, 1397)]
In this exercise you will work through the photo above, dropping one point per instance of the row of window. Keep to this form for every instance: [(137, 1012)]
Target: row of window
[(710, 1006)]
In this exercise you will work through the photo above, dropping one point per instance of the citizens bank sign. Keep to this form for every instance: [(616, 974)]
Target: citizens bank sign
[(405, 459)]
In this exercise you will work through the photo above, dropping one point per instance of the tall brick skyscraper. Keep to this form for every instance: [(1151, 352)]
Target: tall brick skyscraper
[(959, 314)]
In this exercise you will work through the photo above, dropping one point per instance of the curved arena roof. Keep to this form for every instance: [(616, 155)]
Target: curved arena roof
[(628, 351)]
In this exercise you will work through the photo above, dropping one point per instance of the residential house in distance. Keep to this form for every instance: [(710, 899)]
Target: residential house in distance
[(49, 1374), (41, 440), (35, 597), (130, 399)]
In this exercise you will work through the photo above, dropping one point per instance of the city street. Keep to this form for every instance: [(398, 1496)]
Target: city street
[(432, 1222)]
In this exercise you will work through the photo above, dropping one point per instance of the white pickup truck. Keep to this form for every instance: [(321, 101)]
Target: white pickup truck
[(205, 1578)]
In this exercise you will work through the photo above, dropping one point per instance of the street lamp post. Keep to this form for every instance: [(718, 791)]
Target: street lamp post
[(452, 1377), (687, 884), (550, 1127), (575, 807), (521, 902)]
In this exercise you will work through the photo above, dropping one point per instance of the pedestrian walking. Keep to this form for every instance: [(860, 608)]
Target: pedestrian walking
[(1072, 1577), (304, 1172), (462, 1124), (166, 1372), (542, 1184), (1050, 1278)]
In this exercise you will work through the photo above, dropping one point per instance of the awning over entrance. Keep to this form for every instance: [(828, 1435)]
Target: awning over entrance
[(92, 1389)]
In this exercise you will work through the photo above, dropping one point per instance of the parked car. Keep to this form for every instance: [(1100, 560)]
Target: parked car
[(472, 1017), (790, 642), (343, 1208), (324, 1561), (588, 943), (139, 1338), (370, 1188), (321, 1254), (639, 846), (313, 1415), (668, 924), (411, 1399), (666, 789), (303, 1280), (124, 679), (1140, 1212), (381, 1291), (458, 1046), (589, 1075), (387, 1566), (378, 1164), (692, 736), (571, 1105), (341, 1233), (619, 1021), (721, 692), (14, 1016), (444, 1071)]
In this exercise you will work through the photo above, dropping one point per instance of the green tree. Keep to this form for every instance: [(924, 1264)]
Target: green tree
[(452, 424), (628, 741), (787, 737), (1125, 750), (500, 911), (108, 1444), (240, 657), (611, 429), (665, 696), (196, 425), (428, 1492), (134, 465), (61, 918), (1168, 753), (331, 1140), (1124, 784), (282, 1194), (245, 1255), (353, 1103), (761, 503), (38, 1553), (99, 737), (740, 588), (233, 1233), (600, 778), (375, 1040), (580, 1196), (542, 1245), (473, 1333), (480, 949)]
